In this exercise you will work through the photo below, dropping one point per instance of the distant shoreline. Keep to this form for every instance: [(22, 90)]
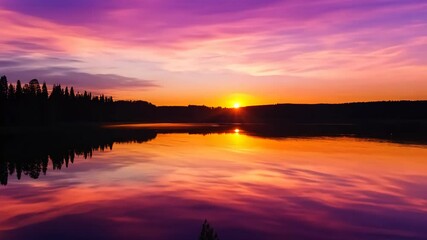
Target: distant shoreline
[(414, 131), (33, 104)]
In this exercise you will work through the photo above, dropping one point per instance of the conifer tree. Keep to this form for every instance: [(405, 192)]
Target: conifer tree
[(19, 92)]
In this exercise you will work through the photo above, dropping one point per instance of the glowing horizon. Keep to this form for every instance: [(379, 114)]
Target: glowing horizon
[(217, 53)]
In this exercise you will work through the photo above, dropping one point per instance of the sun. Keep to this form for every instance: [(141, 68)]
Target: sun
[(236, 105)]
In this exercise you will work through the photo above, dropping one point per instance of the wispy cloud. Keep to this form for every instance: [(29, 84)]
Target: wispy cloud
[(66, 76), (348, 41)]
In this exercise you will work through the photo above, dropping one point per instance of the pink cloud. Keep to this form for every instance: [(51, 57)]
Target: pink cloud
[(158, 39)]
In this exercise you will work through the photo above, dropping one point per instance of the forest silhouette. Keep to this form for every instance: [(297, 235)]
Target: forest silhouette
[(33, 104)]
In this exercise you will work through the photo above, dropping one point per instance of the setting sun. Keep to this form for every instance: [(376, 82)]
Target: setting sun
[(236, 105)]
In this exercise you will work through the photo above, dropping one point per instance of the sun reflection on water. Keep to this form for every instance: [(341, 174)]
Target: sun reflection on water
[(228, 178)]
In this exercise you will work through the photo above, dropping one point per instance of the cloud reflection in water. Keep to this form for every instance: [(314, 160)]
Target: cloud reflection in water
[(248, 187)]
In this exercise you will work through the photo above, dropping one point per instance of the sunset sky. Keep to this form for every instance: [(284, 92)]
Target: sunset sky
[(219, 52)]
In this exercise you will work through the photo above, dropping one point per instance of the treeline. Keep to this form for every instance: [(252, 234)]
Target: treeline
[(337, 113), (33, 104)]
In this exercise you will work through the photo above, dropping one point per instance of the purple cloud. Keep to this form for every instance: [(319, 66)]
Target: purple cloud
[(67, 76), (344, 41)]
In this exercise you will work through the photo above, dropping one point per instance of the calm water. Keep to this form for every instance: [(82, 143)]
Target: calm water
[(166, 185)]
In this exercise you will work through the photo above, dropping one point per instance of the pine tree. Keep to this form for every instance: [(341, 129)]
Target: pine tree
[(72, 93), (44, 93), (11, 92), (34, 87), (3, 88), (66, 94), (19, 92)]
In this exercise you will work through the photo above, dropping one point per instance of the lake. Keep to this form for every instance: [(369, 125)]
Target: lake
[(161, 184)]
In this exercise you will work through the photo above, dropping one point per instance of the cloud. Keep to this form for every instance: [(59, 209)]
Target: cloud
[(343, 41), (8, 63), (67, 76)]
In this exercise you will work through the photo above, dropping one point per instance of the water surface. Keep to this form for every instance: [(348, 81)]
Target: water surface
[(164, 185)]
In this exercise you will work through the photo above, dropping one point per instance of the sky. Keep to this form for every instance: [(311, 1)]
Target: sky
[(219, 52)]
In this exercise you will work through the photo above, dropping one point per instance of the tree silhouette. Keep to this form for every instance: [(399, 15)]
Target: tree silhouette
[(27, 91), (11, 92), (56, 93), (19, 92), (3, 88), (44, 94), (3, 99), (66, 94), (208, 233), (72, 95), (34, 87)]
